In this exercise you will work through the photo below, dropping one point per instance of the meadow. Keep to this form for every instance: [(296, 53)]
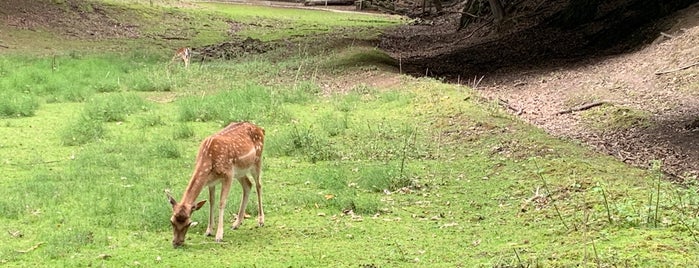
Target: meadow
[(408, 172)]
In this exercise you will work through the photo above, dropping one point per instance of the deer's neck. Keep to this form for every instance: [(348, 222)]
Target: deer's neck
[(196, 184)]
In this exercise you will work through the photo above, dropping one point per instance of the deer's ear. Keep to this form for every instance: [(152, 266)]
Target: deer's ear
[(198, 205), (172, 200)]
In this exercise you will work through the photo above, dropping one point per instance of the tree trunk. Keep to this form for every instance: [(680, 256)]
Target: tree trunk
[(438, 5)]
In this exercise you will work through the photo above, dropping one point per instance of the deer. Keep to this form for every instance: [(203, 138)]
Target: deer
[(235, 152), (184, 53)]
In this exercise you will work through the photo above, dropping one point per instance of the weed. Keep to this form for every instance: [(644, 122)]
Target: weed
[(151, 120), (182, 131), (307, 142), (14, 104), (332, 123), (167, 149), (85, 129)]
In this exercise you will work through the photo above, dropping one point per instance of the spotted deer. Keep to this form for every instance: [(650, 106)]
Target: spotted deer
[(185, 54), (233, 153)]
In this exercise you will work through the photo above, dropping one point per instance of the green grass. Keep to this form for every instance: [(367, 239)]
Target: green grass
[(267, 23), (616, 118), (419, 174)]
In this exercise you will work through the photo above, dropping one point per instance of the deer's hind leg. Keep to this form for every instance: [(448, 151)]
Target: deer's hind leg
[(246, 185), (258, 189)]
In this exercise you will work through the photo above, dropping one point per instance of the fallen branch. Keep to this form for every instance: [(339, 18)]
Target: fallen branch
[(30, 249), (507, 105), (581, 107), (667, 35), (677, 69)]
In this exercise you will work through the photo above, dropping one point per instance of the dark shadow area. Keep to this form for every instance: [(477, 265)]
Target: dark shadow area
[(545, 35)]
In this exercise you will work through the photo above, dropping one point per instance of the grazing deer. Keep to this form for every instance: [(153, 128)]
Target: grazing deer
[(233, 152), (184, 54)]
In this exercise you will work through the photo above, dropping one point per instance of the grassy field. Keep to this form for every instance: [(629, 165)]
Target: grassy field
[(363, 167)]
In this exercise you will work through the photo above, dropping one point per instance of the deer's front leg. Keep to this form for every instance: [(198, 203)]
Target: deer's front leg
[(212, 204), (225, 187)]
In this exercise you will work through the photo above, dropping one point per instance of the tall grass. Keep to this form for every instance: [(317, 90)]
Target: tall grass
[(17, 104), (246, 102)]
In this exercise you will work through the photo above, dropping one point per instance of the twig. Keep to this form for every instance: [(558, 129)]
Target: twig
[(667, 35), (476, 81), (582, 107), (30, 249), (4, 46), (508, 106), (546, 187), (606, 206), (519, 261), (677, 69)]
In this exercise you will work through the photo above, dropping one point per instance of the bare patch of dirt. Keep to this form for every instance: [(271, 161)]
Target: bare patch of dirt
[(626, 80), (77, 19), (233, 49)]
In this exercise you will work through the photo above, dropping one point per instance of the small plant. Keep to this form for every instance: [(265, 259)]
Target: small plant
[(302, 141), (84, 130), (183, 131), (151, 120), (301, 92), (332, 123), (167, 149), (380, 178)]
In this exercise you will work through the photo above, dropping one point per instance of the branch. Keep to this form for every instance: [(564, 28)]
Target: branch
[(582, 107), (677, 69), (508, 106), (30, 249)]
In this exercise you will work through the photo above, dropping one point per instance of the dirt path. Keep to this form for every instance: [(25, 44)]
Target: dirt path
[(668, 104)]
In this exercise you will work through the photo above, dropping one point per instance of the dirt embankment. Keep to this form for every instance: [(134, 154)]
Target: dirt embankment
[(646, 116)]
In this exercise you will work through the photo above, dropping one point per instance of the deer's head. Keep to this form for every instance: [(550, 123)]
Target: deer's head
[(181, 219)]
